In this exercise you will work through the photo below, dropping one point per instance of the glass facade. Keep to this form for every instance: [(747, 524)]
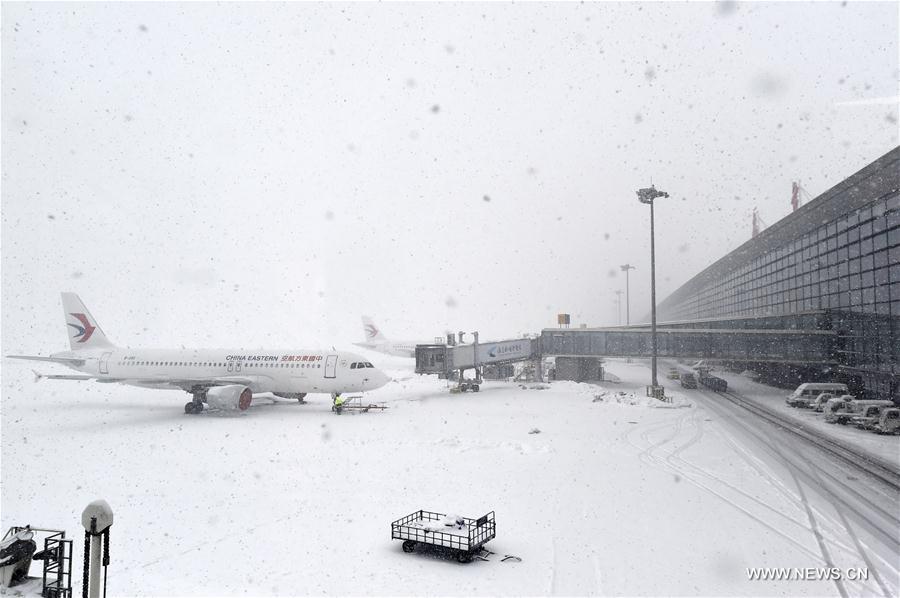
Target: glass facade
[(851, 263), (834, 265)]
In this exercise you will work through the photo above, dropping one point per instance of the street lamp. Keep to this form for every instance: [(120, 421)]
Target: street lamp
[(619, 307), (647, 196), (626, 268)]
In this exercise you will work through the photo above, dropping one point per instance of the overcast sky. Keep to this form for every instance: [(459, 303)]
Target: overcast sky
[(263, 174)]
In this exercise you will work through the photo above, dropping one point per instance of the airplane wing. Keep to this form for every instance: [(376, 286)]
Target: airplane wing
[(63, 360), (39, 376), (186, 384)]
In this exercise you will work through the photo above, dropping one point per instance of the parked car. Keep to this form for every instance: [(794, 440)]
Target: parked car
[(889, 422), (673, 374), (868, 417), (850, 407), (688, 381), (807, 391), (818, 404), (837, 410)]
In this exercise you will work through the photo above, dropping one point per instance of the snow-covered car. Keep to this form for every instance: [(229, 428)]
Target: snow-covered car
[(889, 422), (673, 374), (837, 410), (818, 403), (867, 418), (842, 409), (808, 391)]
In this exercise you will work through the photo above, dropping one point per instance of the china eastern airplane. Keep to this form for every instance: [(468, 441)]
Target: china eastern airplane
[(376, 341), (221, 378)]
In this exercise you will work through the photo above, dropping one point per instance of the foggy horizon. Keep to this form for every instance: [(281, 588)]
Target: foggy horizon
[(249, 175)]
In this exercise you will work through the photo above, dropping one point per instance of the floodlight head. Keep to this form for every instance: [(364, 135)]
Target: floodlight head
[(650, 193), (97, 516)]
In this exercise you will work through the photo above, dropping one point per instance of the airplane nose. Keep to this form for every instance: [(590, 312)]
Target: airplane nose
[(379, 379)]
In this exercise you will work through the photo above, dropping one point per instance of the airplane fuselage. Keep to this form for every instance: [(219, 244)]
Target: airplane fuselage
[(287, 371)]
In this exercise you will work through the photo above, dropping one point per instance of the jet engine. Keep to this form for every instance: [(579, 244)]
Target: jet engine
[(233, 396)]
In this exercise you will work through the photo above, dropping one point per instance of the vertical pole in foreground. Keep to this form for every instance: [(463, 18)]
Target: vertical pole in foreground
[(626, 268), (647, 196), (96, 518), (627, 300), (653, 293)]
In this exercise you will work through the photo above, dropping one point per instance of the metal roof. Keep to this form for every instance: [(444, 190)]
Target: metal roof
[(876, 180)]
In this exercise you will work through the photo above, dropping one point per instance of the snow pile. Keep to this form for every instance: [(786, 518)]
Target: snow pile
[(448, 523), (621, 397)]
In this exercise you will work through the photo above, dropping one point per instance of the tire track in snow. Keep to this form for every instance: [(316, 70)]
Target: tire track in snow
[(859, 547), (786, 456), (649, 458)]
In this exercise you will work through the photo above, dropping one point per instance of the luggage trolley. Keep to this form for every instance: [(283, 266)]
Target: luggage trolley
[(464, 536)]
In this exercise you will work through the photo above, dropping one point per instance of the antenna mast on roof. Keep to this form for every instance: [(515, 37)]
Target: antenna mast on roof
[(758, 223), (796, 190)]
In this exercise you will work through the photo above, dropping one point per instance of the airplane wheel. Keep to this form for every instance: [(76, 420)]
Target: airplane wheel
[(475, 388), (189, 407)]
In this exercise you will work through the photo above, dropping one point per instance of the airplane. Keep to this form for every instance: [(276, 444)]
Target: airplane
[(221, 378), (376, 341)]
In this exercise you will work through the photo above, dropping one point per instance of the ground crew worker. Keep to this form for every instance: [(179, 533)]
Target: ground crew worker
[(338, 403)]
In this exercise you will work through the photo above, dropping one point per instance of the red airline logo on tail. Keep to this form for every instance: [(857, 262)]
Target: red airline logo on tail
[(85, 331)]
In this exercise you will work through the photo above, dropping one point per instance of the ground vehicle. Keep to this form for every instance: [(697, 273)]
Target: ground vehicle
[(807, 391), (889, 422), (461, 535), (714, 383), (688, 381), (673, 374), (818, 404), (868, 417), (846, 407), (837, 410)]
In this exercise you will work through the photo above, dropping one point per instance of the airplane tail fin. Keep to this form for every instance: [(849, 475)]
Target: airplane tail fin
[(373, 334), (84, 331)]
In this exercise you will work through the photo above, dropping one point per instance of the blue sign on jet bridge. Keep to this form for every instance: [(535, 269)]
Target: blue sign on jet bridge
[(505, 350)]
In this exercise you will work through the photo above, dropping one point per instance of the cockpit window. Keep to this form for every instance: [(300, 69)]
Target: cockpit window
[(369, 365), (353, 366)]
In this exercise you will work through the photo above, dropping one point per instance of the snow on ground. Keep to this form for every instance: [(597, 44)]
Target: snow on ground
[(596, 492), (886, 447)]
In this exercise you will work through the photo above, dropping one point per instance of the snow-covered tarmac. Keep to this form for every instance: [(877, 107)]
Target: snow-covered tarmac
[(612, 496)]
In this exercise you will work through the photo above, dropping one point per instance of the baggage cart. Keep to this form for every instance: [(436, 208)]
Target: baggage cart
[(464, 537)]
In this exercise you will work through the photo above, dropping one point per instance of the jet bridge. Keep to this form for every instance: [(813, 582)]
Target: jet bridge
[(443, 359)]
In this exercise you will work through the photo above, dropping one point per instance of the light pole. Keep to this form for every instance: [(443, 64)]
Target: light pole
[(619, 306), (647, 196), (626, 268)]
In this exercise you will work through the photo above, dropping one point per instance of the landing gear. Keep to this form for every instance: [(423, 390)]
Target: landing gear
[(301, 398), (195, 406)]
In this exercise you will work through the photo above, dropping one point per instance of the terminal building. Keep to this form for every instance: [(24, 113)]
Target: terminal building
[(816, 296)]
